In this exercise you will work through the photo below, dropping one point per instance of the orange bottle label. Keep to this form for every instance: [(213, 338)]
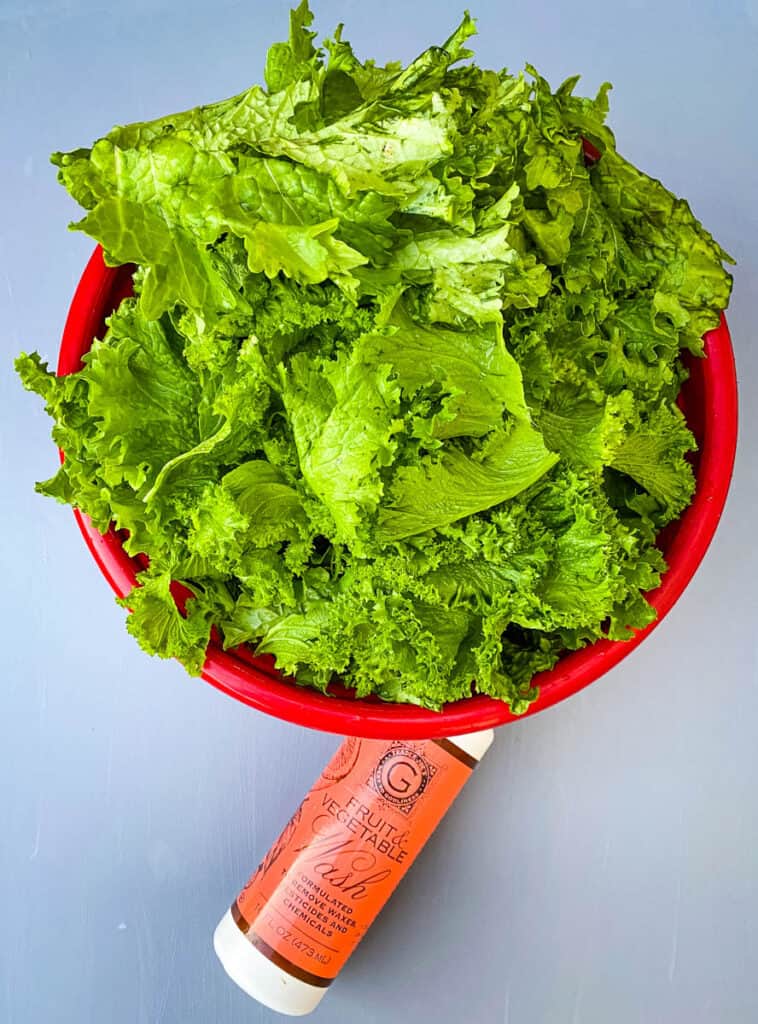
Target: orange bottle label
[(345, 849)]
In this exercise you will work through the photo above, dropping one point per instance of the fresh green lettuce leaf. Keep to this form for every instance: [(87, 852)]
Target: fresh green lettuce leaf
[(438, 491)]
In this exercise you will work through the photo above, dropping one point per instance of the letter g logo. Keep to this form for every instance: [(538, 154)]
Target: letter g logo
[(401, 776)]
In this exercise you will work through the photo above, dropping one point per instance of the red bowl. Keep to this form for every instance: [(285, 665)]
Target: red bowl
[(709, 401)]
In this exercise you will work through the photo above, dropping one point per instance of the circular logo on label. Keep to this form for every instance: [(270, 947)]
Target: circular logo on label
[(401, 776)]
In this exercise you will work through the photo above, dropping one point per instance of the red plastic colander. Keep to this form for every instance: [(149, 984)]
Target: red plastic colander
[(709, 402)]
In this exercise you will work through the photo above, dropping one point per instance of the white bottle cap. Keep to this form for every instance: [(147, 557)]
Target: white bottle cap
[(475, 743)]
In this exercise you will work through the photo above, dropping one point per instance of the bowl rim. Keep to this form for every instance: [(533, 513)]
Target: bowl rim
[(255, 681)]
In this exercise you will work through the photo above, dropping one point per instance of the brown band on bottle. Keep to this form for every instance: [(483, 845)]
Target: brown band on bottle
[(455, 751), (276, 958)]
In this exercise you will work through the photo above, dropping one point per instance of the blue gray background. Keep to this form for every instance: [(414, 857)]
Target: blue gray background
[(601, 867)]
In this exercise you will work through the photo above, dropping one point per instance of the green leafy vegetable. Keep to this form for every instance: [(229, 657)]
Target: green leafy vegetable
[(395, 397)]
